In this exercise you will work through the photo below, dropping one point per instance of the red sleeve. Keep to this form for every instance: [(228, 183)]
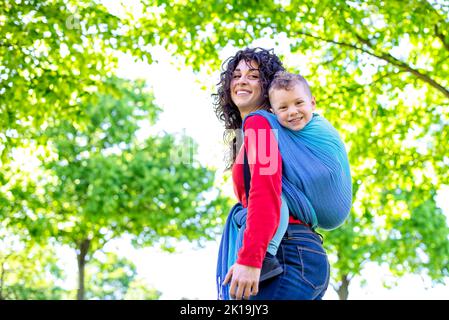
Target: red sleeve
[(265, 191)]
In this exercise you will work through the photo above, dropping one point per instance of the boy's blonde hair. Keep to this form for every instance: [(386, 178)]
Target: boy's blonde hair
[(284, 80)]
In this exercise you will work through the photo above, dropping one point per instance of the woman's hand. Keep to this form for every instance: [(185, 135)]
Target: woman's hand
[(244, 280)]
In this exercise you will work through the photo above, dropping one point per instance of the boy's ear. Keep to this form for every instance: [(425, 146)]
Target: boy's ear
[(271, 110), (313, 103)]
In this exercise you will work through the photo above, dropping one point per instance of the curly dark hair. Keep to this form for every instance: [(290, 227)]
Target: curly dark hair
[(224, 107)]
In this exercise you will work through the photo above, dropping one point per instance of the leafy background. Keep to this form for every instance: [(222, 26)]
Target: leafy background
[(90, 176)]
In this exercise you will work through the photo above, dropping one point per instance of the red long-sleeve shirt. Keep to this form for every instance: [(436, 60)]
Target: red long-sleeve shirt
[(265, 165)]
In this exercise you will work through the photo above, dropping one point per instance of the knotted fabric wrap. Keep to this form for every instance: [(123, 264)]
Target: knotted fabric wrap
[(316, 179), (316, 183), (231, 241)]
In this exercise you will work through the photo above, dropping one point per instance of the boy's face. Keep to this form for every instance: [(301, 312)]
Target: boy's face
[(293, 108)]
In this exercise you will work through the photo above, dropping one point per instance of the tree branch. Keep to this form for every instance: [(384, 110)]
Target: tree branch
[(444, 59), (355, 87), (386, 57), (441, 37), (389, 58)]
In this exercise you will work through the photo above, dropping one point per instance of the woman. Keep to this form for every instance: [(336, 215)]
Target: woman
[(244, 89)]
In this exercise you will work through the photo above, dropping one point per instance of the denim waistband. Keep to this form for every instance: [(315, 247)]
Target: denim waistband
[(297, 229)]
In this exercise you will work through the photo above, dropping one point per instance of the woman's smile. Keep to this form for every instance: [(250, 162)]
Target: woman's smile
[(242, 92)]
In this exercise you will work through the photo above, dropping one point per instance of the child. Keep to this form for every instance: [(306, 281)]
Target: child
[(291, 100), (293, 104)]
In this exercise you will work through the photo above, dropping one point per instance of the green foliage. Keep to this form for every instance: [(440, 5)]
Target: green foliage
[(97, 180), (28, 272), (53, 56), (106, 182), (140, 290), (419, 244), (93, 178), (110, 277), (380, 73)]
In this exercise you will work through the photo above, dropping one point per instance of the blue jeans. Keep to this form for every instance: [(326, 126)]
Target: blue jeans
[(306, 268)]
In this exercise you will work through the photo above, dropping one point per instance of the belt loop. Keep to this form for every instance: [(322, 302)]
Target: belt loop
[(289, 233)]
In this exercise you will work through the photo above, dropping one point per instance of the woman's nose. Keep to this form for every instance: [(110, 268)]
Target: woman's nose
[(242, 79)]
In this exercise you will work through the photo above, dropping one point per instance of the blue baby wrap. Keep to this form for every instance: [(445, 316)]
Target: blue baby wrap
[(316, 179), (316, 183), (231, 241)]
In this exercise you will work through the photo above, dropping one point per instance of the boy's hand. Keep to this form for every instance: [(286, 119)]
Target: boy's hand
[(244, 281)]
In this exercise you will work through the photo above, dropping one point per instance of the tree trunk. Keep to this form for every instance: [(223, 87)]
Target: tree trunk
[(343, 290), (81, 256)]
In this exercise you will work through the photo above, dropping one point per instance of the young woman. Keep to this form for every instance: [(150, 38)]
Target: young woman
[(243, 89)]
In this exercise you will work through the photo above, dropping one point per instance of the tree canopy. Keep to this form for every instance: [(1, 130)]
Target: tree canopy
[(379, 71), (90, 177)]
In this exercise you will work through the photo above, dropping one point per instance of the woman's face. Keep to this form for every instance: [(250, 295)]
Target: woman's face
[(246, 91)]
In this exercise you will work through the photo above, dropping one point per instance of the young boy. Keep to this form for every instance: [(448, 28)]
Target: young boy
[(293, 104)]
